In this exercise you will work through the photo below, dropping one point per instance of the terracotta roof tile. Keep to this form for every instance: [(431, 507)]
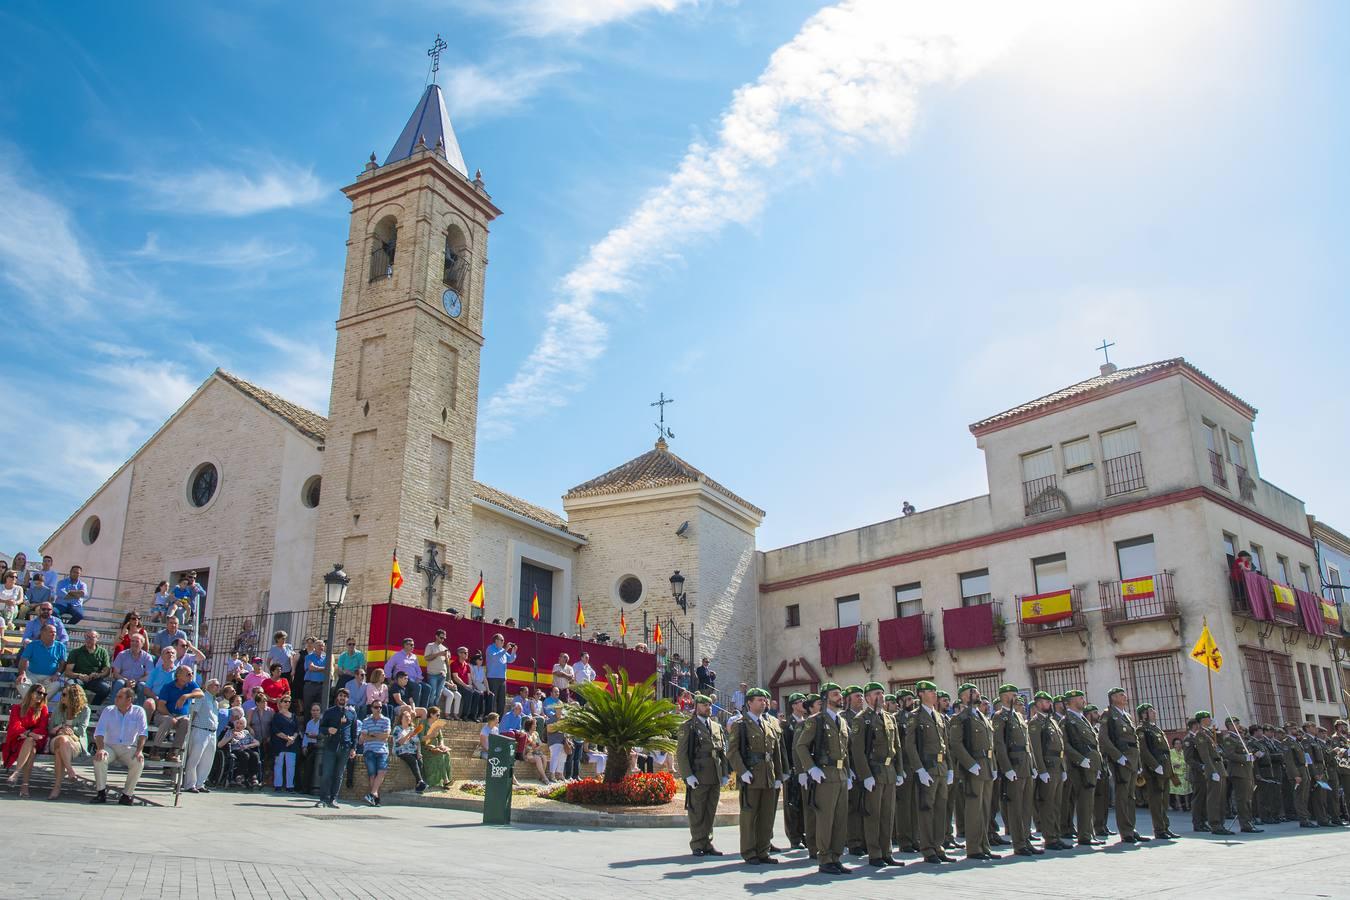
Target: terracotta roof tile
[(520, 507), (657, 467), (307, 422)]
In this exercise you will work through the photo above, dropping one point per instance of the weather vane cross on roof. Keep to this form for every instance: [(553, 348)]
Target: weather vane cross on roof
[(661, 428), (1106, 349), (435, 54)]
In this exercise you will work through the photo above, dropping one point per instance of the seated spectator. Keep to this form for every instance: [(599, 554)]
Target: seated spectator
[(461, 677), (132, 667), (479, 680), (532, 749), (204, 720), (377, 690), (120, 737), (552, 703), (170, 634), (71, 592), (11, 598), (131, 624), (246, 641), (536, 707), (188, 654), (489, 728), (26, 735), (160, 602), (188, 596), (235, 670), (373, 733), (276, 686), (88, 665), (401, 694), (45, 617), (450, 700), (160, 675), (356, 691), (242, 745), (40, 589), (68, 730), (309, 749), (174, 701), (686, 701), (513, 720), (41, 661), (255, 677), (563, 676), (405, 660), (436, 750), (407, 744), (349, 663), (20, 568), (285, 737)]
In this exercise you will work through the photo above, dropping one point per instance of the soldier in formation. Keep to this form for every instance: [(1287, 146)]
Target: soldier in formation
[(700, 759)]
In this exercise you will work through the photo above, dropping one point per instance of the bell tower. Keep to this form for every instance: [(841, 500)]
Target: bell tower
[(399, 453)]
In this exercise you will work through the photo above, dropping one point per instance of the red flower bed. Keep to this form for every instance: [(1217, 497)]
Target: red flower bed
[(636, 789)]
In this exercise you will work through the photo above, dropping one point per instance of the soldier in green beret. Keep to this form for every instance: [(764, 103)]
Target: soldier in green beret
[(1239, 759), (853, 707), (700, 759), (1084, 760), (822, 754), (926, 761), (754, 751), (874, 752), (906, 808), (1155, 760), (970, 735), (1214, 773), (1013, 755), (1119, 742), (1101, 800), (1047, 752), (794, 814)]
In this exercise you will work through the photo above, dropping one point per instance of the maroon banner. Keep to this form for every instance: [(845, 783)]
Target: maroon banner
[(968, 626), (836, 645), (1311, 608), (900, 638), (1257, 588)]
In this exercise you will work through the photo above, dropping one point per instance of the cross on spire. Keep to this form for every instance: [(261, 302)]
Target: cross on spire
[(1106, 349), (661, 428), (435, 54)]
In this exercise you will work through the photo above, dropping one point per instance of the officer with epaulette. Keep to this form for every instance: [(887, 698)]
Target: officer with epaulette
[(1101, 799), (753, 750), (955, 823), (813, 704), (1213, 773), (794, 815), (822, 753), (874, 756), (1195, 772), (1265, 801), (1319, 807), (700, 759), (1296, 773), (1013, 756), (1155, 761), (1238, 758), (927, 764), (1084, 763), (905, 807), (1046, 740), (1119, 742), (853, 707), (970, 735)]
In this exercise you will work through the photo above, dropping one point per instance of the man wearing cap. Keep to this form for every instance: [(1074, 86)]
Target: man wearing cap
[(1214, 774), (1265, 802), (1195, 770), (1297, 774), (1156, 764), (1238, 759), (1119, 742), (874, 752), (970, 735), (955, 822), (1015, 763), (1084, 759), (754, 755), (854, 704), (814, 704), (1047, 753), (905, 805), (700, 759), (927, 763), (822, 753), (793, 795)]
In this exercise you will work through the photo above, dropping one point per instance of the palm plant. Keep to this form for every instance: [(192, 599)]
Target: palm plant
[(622, 717)]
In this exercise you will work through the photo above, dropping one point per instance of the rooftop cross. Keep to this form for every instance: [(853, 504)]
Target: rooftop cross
[(435, 54), (661, 428), (1106, 349)]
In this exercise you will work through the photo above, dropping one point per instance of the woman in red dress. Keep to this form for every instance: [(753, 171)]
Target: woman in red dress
[(26, 736), (131, 624), (276, 686)]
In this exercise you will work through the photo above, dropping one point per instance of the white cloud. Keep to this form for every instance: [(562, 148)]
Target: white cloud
[(252, 254), (853, 74), (40, 254), (572, 17), (304, 374), (474, 92), (213, 190)]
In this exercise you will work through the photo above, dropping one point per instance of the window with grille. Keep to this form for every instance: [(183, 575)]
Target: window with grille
[(1260, 688), (1038, 482), (908, 684), (1156, 680), (908, 600), (1055, 680), (1122, 463), (1303, 682), (794, 615), (987, 682), (1331, 691), (1282, 676)]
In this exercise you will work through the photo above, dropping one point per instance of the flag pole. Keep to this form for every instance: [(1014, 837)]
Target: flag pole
[(1209, 670), (389, 611)]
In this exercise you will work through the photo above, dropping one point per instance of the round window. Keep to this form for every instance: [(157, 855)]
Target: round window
[(630, 589), (309, 494), (92, 527), (202, 485)]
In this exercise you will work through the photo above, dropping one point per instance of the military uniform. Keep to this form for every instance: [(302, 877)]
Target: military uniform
[(1318, 807), (1300, 760), (1119, 742), (1238, 759), (1213, 778), (874, 752), (970, 735), (1195, 769), (1047, 750), (753, 748), (1268, 770), (701, 753), (1084, 760), (905, 808), (926, 750), (794, 813), (1015, 763), (855, 841), (823, 746), (1154, 755)]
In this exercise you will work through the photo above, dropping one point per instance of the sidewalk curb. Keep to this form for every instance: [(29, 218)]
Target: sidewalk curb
[(571, 818)]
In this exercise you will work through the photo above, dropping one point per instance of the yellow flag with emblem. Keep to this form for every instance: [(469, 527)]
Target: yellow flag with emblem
[(1206, 652)]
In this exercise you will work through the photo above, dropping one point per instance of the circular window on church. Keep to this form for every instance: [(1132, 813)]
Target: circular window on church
[(309, 494), (203, 483), (92, 527), (630, 589)]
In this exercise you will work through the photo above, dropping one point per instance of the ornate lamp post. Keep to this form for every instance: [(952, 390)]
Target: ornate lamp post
[(677, 591), (334, 593)]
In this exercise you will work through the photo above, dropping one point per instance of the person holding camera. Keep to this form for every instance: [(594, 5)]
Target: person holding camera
[(500, 655)]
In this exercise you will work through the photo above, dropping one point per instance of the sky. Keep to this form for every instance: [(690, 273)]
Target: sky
[(836, 234)]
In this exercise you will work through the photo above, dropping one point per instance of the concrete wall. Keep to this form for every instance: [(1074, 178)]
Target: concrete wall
[(729, 593), (293, 545), (102, 558), (500, 544)]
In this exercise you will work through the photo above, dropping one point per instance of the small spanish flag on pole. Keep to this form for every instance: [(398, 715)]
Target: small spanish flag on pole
[(656, 635), (395, 575), (581, 615), (534, 606), (623, 625), (476, 598)]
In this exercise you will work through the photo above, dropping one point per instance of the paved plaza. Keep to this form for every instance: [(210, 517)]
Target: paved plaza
[(254, 846)]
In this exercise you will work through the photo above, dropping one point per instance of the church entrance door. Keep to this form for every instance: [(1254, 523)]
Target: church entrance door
[(536, 578)]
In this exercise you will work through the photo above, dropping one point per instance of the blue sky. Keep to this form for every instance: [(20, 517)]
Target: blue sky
[(836, 234)]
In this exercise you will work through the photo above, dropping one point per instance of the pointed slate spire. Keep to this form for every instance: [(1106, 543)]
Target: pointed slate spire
[(429, 126)]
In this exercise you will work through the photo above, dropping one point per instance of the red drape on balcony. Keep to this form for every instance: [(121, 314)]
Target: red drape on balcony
[(968, 626), (1257, 588), (836, 645), (900, 638), (1311, 609)]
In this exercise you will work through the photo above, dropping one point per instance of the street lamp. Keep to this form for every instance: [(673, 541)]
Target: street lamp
[(677, 590), (334, 593)]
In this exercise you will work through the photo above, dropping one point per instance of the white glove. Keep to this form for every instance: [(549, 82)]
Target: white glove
[(1121, 761), (1214, 777), (925, 779), (1010, 775), (778, 782), (1158, 769), (692, 781), (850, 781), (951, 776), (995, 775), (747, 776), (816, 774), (1085, 763), (725, 779), (974, 768), (899, 780), (1063, 776), (1307, 759), (1250, 757), (801, 779), (1044, 777), (868, 783)]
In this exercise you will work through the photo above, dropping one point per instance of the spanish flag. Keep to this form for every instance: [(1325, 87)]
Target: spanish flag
[(1206, 652), (478, 595), (623, 625), (656, 635), (1284, 595), (534, 606), (395, 576), (1042, 609), (1330, 614), (1137, 588), (581, 615)]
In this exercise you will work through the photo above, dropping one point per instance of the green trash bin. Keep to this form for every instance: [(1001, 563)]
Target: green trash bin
[(500, 766)]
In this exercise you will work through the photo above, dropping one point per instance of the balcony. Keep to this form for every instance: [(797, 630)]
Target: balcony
[(1146, 599), (1124, 473), (905, 637), (1217, 470), (1056, 612), (974, 625), (1041, 495)]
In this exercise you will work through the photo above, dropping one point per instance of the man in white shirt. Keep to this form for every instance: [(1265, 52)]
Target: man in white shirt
[(120, 736), (437, 659), (563, 676)]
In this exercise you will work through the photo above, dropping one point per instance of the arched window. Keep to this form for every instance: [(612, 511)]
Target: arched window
[(456, 265), (383, 247)]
